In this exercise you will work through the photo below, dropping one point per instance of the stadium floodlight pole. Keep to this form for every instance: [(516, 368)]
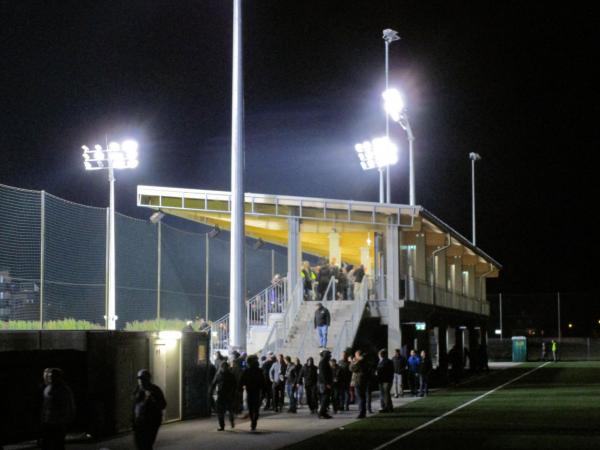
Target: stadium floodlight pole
[(473, 157), (396, 109), (114, 156), (237, 303), (389, 36), (377, 154)]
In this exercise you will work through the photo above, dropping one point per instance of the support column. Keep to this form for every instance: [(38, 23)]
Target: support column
[(294, 256), (393, 287), (450, 337), (334, 248), (420, 263)]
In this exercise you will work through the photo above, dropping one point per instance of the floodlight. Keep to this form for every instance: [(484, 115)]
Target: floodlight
[(214, 232), (390, 35), (114, 147), (393, 103), (88, 165), (474, 156), (380, 152), (98, 154), (156, 217)]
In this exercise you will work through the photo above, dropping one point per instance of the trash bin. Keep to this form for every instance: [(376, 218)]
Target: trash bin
[(519, 349)]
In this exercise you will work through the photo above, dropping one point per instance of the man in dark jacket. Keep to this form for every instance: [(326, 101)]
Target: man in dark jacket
[(309, 378), (148, 405), (268, 392), (385, 378), (344, 378), (325, 383), (226, 387), (292, 374), (58, 410), (399, 373), (322, 321), (323, 277), (360, 378), (253, 380), (424, 372), (237, 368)]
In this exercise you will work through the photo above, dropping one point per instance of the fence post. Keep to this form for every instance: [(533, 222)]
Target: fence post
[(558, 306), (158, 271), (501, 327), (42, 251), (206, 276), (106, 268), (272, 264)]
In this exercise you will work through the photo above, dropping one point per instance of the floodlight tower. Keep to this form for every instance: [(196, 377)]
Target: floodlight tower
[(396, 109), (122, 155), (473, 157), (389, 36)]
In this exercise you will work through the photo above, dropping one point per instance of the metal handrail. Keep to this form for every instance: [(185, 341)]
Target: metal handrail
[(332, 282), (350, 327), (270, 300)]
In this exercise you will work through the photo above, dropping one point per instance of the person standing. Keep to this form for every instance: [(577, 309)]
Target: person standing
[(385, 377), (308, 278), (360, 375), (322, 321), (544, 351), (226, 386), (323, 280), (336, 386), (554, 348), (413, 372), (291, 383), (277, 377), (345, 377), (58, 410), (325, 382), (425, 369), (148, 405), (309, 378), (399, 362), (253, 380), (359, 275), (268, 392)]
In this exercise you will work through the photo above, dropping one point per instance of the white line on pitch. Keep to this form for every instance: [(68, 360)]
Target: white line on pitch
[(464, 405)]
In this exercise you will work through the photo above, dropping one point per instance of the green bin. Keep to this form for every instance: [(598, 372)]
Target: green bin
[(519, 349)]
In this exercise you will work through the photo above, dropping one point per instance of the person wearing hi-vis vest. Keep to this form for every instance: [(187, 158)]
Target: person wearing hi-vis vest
[(554, 350), (308, 277)]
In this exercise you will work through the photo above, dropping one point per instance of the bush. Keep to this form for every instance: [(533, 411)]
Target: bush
[(64, 324), (159, 325)]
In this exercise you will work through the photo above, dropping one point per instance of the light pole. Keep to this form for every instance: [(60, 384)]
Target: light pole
[(237, 289), (389, 36), (395, 108), (115, 156), (473, 157), (380, 153)]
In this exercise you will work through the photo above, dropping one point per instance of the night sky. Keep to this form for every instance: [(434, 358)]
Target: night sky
[(512, 81)]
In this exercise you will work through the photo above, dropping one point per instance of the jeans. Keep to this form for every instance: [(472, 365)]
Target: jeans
[(385, 390), (361, 394), (398, 388), (290, 389), (322, 330), (424, 385)]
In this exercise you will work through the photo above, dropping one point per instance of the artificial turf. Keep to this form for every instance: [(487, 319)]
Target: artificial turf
[(555, 407)]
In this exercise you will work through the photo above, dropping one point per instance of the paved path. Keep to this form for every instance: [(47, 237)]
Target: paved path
[(274, 431)]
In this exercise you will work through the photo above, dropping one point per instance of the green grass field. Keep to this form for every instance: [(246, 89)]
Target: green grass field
[(555, 407)]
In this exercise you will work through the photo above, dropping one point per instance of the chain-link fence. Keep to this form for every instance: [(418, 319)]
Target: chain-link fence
[(53, 266)]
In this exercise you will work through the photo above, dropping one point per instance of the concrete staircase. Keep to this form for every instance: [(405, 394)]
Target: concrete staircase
[(303, 340)]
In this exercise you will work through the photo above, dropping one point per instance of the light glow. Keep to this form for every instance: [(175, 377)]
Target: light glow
[(393, 103), (169, 335), (380, 152)]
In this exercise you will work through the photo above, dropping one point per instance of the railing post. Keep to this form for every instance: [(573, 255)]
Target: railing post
[(42, 252)]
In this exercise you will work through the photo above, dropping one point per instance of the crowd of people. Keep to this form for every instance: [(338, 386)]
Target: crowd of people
[(329, 281), (281, 383)]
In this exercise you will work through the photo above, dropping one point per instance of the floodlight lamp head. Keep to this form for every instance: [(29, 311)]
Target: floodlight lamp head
[(393, 103), (474, 156), (156, 217), (390, 35)]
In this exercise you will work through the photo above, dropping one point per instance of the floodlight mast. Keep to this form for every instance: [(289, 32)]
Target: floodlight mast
[(396, 109), (115, 156), (389, 36), (473, 157)]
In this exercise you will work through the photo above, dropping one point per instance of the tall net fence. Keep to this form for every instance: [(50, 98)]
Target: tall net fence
[(53, 265)]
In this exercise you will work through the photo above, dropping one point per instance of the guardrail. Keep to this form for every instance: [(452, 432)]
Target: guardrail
[(421, 292), (350, 327), (271, 300)]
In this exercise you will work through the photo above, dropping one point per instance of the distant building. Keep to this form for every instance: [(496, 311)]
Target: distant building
[(18, 299)]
